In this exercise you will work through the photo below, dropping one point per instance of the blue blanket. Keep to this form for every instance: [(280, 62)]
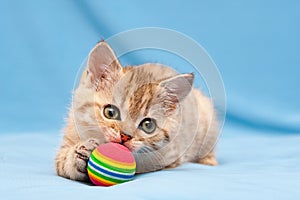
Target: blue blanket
[(252, 166)]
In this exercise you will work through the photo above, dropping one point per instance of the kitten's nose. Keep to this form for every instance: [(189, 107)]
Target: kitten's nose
[(125, 137)]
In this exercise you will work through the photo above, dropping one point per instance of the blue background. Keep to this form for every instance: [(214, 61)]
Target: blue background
[(255, 45)]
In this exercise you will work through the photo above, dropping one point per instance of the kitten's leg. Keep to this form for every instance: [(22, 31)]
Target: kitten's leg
[(71, 161), (209, 159), (174, 164)]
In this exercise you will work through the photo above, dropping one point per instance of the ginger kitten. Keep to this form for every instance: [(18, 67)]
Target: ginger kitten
[(150, 108)]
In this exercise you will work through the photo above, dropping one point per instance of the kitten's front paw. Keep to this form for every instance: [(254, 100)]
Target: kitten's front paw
[(82, 154)]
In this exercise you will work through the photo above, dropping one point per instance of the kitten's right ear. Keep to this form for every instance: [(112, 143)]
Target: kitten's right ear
[(102, 64), (174, 90)]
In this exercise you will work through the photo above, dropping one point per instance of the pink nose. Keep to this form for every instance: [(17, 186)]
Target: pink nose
[(125, 137)]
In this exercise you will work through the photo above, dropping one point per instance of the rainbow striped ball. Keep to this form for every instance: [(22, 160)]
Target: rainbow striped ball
[(111, 164)]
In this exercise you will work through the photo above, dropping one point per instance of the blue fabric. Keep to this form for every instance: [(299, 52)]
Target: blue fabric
[(255, 45), (252, 166)]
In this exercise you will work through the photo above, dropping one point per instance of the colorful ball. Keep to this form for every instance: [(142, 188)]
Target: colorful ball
[(111, 164)]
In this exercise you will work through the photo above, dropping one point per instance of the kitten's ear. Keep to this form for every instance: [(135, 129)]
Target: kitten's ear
[(178, 86), (102, 63), (175, 89)]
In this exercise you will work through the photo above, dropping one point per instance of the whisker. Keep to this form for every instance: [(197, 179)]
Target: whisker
[(149, 160)]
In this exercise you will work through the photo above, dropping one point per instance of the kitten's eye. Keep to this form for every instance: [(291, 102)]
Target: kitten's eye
[(111, 112), (148, 125)]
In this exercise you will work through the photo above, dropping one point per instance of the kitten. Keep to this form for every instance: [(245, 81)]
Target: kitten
[(150, 108)]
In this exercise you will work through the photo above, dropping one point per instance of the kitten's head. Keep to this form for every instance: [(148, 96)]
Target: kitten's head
[(136, 106)]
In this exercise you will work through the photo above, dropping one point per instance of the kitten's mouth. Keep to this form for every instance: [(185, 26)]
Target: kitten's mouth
[(122, 138), (128, 145)]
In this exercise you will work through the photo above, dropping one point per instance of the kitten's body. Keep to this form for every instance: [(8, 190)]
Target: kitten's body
[(186, 125)]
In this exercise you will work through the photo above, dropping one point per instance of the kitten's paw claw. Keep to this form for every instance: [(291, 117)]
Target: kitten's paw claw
[(82, 154), (85, 149)]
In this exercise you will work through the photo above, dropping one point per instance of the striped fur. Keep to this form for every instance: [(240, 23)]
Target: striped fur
[(187, 127)]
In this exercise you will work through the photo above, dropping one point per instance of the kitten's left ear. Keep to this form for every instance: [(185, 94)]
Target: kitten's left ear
[(175, 89), (103, 64)]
